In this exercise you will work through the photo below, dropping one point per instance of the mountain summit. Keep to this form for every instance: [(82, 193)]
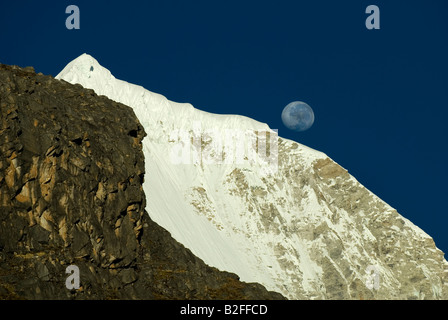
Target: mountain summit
[(269, 209)]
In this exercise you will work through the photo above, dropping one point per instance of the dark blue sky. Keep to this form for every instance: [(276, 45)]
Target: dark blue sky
[(380, 97)]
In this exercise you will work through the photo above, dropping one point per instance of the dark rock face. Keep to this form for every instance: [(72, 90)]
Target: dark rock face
[(71, 173)]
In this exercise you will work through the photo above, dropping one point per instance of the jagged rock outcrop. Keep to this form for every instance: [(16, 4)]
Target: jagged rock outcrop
[(71, 174)]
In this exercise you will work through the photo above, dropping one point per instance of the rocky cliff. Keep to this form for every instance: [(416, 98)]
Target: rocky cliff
[(71, 174)]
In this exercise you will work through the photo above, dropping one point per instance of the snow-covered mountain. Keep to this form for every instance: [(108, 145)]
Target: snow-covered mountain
[(269, 209)]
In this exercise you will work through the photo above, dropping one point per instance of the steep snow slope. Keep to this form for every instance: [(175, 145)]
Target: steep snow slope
[(289, 218)]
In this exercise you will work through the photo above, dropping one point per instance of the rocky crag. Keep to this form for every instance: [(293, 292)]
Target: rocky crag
[(71, 174)]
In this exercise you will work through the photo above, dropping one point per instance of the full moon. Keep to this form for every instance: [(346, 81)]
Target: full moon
[(298, 116)]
